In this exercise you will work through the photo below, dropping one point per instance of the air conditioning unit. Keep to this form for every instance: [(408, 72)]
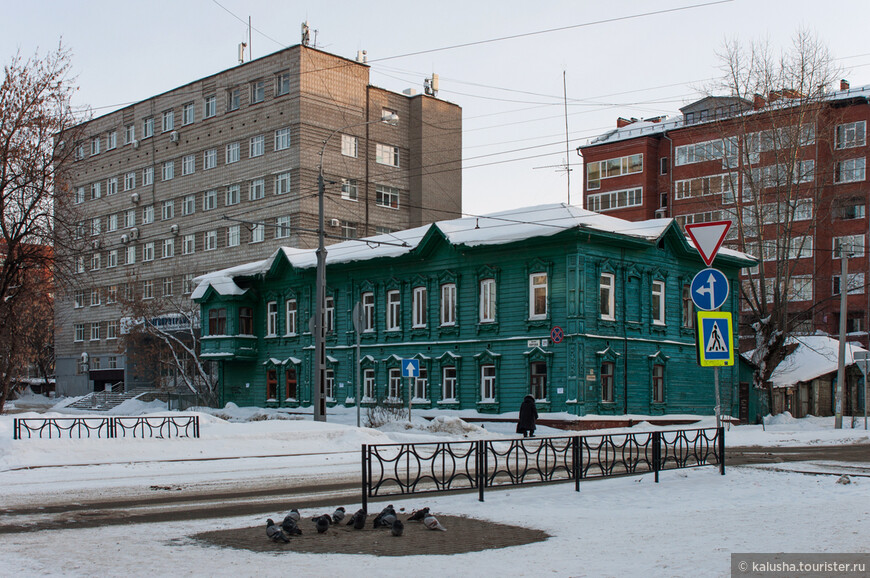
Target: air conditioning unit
[(662, 213), (134, 197), (134, 233), (135, 143), (125, 239), (335, 222), (173, 229), (173, 136)]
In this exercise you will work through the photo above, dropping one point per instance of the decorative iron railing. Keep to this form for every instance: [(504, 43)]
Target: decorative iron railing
[(180, 426), (403, 469)]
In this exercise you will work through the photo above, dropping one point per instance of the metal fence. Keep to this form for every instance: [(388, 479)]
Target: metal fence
[(404, 469), (183, 426)]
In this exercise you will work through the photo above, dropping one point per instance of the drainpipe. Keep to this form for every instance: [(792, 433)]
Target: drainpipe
[(625, 339), (671, 163)]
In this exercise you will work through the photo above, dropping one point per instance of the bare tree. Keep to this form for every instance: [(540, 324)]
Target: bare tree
[(36, 137), (778, 185)]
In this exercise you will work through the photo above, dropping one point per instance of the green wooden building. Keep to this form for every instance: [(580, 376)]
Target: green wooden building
[(588, 313)]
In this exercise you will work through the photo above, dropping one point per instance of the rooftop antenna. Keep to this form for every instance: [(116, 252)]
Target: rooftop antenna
[(306, 34), (564, 166), (242, 46), (430, 85)]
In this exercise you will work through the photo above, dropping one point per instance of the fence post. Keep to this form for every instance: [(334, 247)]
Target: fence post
[(365, 500), (657, 453), (15, 429), (481, 468), (722, 450), (575, 458)]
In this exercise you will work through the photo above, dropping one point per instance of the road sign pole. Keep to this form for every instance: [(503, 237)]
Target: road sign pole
[(410, 386), (716, 389)]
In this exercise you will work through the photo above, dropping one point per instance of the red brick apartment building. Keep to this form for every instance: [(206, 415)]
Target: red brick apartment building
[(780, 167)]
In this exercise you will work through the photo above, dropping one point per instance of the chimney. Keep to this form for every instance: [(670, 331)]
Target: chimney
[(773, 96), (757, 102), (844, 84), (621, 122)]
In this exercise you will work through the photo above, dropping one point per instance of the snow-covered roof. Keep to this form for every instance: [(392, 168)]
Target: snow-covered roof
[(648, 128), (814, 356), (493, 229)]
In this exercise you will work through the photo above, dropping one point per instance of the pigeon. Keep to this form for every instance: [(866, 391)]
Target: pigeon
[(398, 527), (379, 519), (359, 513), (359, 521), (418, 515), (327, 516), (290, 527), (388, 520), (338, 515), (322, 523), (432, 523), (274, 532), (294, 513)]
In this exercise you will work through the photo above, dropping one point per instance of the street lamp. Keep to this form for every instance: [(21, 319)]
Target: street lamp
[(392, 119)]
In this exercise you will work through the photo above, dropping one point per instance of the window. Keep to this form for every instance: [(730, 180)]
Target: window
[(271, 384), (130, 255), (80, 152), (168, 210), (258, 91), (95, 226), (487, 301), (393, 311), (130, 181), (849, 171), (257, 189), (233, 235), (188, 164), (849, 209), (290, 317), (217, 321), (167, 286), (168, 120), (538, 377), (348, 230), (854, 245), (855, 284), (607, 382), (722, 184), (209, 200), (187, 113), (111, 294), (188, 244), (148, 289), (258, 233), (394, 389), (80, 195), (663, 166), (234, 98), (448, 304), (282, 229), (282, 183), (129, 218), (209, 159), (487, 383), (257, 145), (329, 306), (111, 186), (419, 307), (368, 392), (187, 283), (368, 304), (601, 202), (853, 134), (147, 176), (78, 299), (387, 196), (246, 321), (538, 296), (96, 191), (657, 311), (147, 214), (129, 133), (421, 384), (112, 223), (95, 146), (168, 248), (707, 151), (233, 150), (282, 84), (95, 262), (95, 331), (349, 146), (148, 251), (80, 264), (688, 309), (209, 106), (271, 319), (95, 297), (658, 383), (606, 305), (148, 127), (234, 195), (349, 189), (112, 259), (616, 167), (80, 332), (387, 155), (290, 382), (112, 333), (210, 240), (448, 384), (188, 205), (282, 139)]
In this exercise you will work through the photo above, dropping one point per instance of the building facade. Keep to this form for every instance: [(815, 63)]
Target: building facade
[(789, 174), (587, 313), (224, 170)]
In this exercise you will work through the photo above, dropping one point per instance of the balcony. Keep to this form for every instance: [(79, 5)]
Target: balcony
[(239, 347)]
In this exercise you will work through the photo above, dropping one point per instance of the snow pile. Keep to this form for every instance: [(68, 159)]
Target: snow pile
[(235, 414), (453, 425), (138, 407)]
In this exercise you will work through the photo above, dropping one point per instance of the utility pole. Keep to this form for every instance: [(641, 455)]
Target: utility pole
[(841, 360)]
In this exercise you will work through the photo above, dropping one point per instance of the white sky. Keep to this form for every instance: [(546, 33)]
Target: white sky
[(642, 67)]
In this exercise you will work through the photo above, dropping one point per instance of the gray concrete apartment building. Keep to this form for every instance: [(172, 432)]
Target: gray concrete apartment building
[(223, 170)]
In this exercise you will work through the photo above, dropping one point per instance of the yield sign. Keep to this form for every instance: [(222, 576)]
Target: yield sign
[(708, 238)]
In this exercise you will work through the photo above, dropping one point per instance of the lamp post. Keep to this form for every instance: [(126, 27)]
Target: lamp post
[(320, 284)]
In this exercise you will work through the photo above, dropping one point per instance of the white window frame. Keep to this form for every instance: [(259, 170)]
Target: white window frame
[(210, 240), (188, 205), (168, 248), (394, 385), (188, 244), (257, 189), (368, 304), (168, 120), (387, 155), (349, 190), (234, 235), (168, 172), (349, 146), (658, 299), (449, 380), (167, 210), (394, 310), (258, 233), (111, 186), (850, 135), (130, 181), (209, 106), (419, 308), (850, 170), (233, 195), (282, 228), (448, 305), (487, 301), (290, 317), (209, 200), (282, 183), (147, 176), (386, 196), (148, 251), (257, 146), (368, 392), (188, 165), (607, 296), (233, 152), (272, 319), (538, 281), (188, 113), (487, 383), (282, 139), (209, 159)]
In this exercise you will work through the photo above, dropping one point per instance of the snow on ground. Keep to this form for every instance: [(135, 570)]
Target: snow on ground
[(617, 527)]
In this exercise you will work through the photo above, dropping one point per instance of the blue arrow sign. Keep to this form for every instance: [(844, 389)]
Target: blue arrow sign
[(709, 289), (410, 368)]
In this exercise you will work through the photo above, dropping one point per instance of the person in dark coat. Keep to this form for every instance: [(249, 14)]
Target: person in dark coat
[(528, 415)]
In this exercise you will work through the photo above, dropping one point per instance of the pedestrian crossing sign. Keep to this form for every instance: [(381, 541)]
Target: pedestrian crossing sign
[(715, 339)]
